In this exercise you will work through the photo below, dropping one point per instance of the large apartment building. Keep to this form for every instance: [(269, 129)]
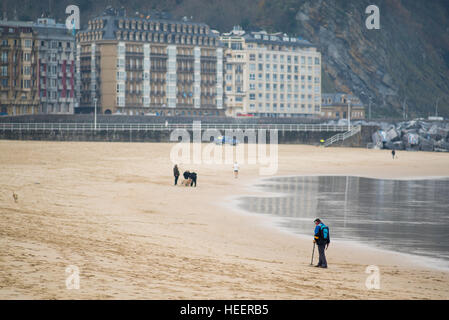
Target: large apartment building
[(149, 66), (271, 75), (37, 68)]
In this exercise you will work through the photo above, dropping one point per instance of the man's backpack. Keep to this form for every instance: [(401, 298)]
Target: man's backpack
[(324, 234)]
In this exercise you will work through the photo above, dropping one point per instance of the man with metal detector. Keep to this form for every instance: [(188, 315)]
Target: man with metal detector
[(322, 239)]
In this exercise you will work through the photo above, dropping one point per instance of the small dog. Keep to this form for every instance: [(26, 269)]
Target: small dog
[(15, 196)]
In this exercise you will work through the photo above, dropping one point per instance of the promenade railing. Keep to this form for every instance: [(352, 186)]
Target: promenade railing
[(167, 127)]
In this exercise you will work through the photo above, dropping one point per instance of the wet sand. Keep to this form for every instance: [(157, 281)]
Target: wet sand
[(111, 210)]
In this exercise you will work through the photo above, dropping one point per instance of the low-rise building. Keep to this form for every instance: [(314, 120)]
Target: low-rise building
[(336, 106)]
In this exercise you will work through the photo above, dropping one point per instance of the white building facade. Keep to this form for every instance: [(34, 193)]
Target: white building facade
[(271, 75)]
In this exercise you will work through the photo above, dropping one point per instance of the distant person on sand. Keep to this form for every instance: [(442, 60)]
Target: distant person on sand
[(322, 239), (236, 169), (393, 153), (176, 173)]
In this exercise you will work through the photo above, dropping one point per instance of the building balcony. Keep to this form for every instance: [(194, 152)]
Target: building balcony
[(208, 71), (189, 70), (134, 54), (158, 55), (184, 57), (158, 69), (209, 58)]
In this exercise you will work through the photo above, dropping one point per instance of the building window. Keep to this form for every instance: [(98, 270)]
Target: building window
[(252, 96), (252, 57)]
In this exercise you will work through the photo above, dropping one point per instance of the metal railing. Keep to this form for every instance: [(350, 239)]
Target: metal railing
[(343, 136), (164, 127)]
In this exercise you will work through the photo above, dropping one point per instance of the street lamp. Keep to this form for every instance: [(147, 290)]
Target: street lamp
[(349, 114), (403, 108), (436, 107), (369, 109), (95, 114)]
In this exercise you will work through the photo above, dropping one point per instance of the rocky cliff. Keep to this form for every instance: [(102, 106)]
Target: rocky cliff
[(404, 65)]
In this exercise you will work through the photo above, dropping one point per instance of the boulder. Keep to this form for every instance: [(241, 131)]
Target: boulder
[(425, 144), (442, 144), (393, 135)]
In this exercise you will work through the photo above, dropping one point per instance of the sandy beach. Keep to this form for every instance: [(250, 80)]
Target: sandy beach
[(111, 210)]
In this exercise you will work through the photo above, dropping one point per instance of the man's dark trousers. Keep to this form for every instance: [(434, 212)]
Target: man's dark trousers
[(321, 250)]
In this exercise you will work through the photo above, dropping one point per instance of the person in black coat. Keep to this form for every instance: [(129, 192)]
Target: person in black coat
[(176, 173)]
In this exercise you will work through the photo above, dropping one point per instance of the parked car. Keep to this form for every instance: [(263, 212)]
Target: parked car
[(230, 140)]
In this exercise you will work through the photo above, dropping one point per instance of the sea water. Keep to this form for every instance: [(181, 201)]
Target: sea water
[(406, 216)]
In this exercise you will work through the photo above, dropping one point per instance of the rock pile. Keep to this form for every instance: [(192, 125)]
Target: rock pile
[(412, 135)]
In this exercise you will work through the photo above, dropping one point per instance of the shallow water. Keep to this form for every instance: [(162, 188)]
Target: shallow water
[(407, 216)]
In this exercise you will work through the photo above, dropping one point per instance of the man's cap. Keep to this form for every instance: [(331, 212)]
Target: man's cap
[(317, 219)]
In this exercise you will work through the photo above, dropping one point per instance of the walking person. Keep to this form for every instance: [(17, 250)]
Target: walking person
[(322, 239), (176, 173), (236, 170), (393, 153)]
